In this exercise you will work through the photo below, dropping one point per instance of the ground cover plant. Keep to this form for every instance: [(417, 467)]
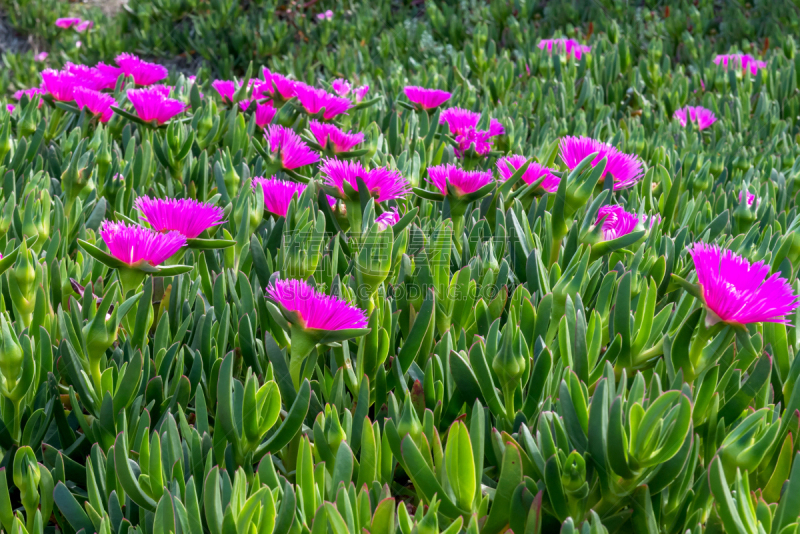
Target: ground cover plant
[(487, 267)]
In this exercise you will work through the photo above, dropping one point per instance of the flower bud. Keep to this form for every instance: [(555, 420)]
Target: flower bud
[(334, 433), (409, 424), (10, 356), (510, 361)]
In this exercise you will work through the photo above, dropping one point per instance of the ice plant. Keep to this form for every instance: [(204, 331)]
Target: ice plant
[(188, 217), (462, 182), (569, 47), (67, 22), (699, 115), (424, 98), (225, 88), (616, 222), (143, 72), (312, 317), (10, 108), (532, 173), (89, 77), (461, 121), (278, 86), (264, 114), (59, 84), (30, 93), (751, 199), (83, 26), (331, 138), (341, 87), (387, 219), (361, 92), (316, 100), (288, 146), (41, 56), (95, 101), (382, 183), (278, 194), (625, 169), (152, 104), (745, 62)]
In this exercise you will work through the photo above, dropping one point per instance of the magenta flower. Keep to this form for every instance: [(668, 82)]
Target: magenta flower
[(361, 92), (10, 108), (616, 222), (464, 182), (41, 56), (30, 93), (84, 25), (383, 184), (461, 121), (67, 22), (479, 140), (143, 72), (339, 140), (736, 291), (59, 84), (264, 114), (225, 88), (315, 309), (188, 217), (152, 104), (315, 100), (135, 245), (341, 87), (387, 219), (570, 47), (751, 199), (293, 151), (89, 77), (95, 101), (744, 62), (278, 194), (701, 116), (326, 15), (274, 82), (426, 98), (625, 169), (531, 174)]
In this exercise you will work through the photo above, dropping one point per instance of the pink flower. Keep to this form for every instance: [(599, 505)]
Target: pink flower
[(479, 140), (84, 25), (462, 120), (274, 82), (341, 87), (741, 61), (361, 92), (426, 98), (570, 47), (143, 72), (41, 56), (188, 217), (340, 141), (531, 174), (30, 93), (264, 114), (751, 199), (736, 291), (315, 100), (135, 245), (701, 116), (89, 77), (59, 84), (616, 222), (278, 194), (382, 183), (226, 89), (387, 219), (464, 182), (95, 101), (68, 22), (151, 104), (10, 108), (625, 169), (315, 309), (294, 153)]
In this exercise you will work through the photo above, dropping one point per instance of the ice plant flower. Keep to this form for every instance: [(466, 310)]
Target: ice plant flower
[(326, 15), (738, 292), (143, 72), (278, 194), (532, 173), (293, 152), (276, 84), (41, 56), (699, 115), (59, 84), (424, 98), (387, 219), (751, 199), (341, 87), (225, 88), (328, 135), (10, 108), (463, 182), (616, 222), (151, 104), (89, 77), (95, 101), (625, 169), (461, 121), (83, 26), (745, 62), (569, 47), (188, 217), (315, 100), (135, 245), (361, 92), (30, 93), (67, 22), (382, 183), (264, 114)]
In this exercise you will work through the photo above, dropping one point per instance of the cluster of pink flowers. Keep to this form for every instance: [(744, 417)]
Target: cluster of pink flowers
[(532, 173), (464, 182), (327, 15), (264, 112), (80, 25), (293, 152), (699, 115), (339, 141), (277, 85), (463, 124), (570, 47), (143, 72), (382, 183), (625, 169), (745, 62), (426, 98)]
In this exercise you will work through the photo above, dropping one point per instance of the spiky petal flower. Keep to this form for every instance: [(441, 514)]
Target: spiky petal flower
[(570, 47), (745, 62), (278, 83), (30, 93), (701, 116), (387, 219), (314, 308), (736, 291), (95, 101), (67, 22), (10, 108), (293, 151), (225, 88), (84, 25), (426, 98), (89, 77), (532, 173), (341, 87), (264, 114), (625, 169), (188, 217), (382, 183), (152, 104), (278, 193), (616, 222), (751, 199), (59, 84), (464, 182), (134, 245), (361, 92), (462, 120), (314, 100), (143, 72), (339, 140)]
